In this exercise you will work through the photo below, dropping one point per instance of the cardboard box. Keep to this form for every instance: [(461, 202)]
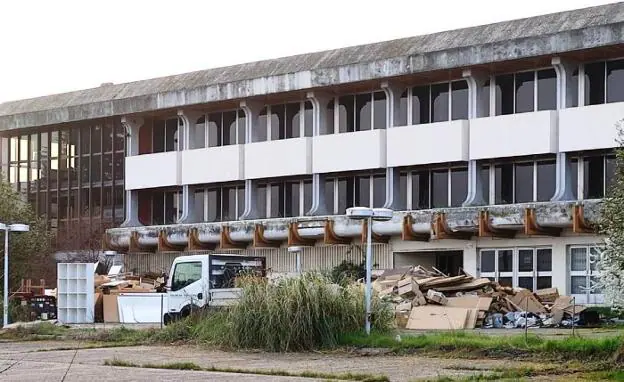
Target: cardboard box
[(436, 297), (408, 288), (547, 295), (111, 308)]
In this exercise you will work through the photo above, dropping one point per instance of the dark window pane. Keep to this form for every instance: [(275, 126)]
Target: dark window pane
[(505, 281), (487, 261), (278, 113), (241, 126), (107, 137), (346, 117), (228, 203), (420, 190), (595, 83), (277, 201), (525, 260), (402, 202), (524, 182), (505, 94), (199, 136), (459, 100), (379, 110), (85, 140), (439, 188), (96, 139), (547, 89), (594, 177), (545, 180), (574, 85), (328, 126), (198, 208), (240, 202), (293, 118), (308, 119), (402, 117), (329, 195), (574, 177), (307, 197), (262, 201), (578, 284), (379, 191), (262, 126), (158, 137), (171, 130), (292, 200), (485, 183), (525, 282), (459, 186), (503, 179), (363, 192), (229, 128), (440, 102), (420, 105), (525, 86), (610, 172), (214, 130), (96, 169), (544, 282), (505, 260), (363, 112), (213, 203), (345, 195), (615, 81), (544, 260), (107, 168)]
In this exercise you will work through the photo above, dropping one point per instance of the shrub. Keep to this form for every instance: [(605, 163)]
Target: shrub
[(303, 313)]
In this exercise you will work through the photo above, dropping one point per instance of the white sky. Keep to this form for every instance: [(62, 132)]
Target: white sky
[(56, 46)]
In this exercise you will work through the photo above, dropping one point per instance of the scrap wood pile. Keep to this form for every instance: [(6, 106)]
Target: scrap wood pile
[(425, 299)]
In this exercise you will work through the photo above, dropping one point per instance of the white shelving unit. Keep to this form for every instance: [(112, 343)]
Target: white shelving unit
[(75, 293)]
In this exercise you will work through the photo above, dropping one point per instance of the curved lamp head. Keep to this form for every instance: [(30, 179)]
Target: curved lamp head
[(295, 249), (19, 227), (378, 214)]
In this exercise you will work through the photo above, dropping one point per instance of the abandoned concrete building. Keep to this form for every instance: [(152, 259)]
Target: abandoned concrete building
[(492, 144)]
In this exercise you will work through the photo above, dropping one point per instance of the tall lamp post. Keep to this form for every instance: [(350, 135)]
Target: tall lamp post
[(8, 228), (370, 215)]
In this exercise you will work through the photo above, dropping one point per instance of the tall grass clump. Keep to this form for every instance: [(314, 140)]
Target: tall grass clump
[(302, 313)]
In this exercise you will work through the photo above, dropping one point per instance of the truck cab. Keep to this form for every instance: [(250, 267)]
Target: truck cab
[(200, 281)]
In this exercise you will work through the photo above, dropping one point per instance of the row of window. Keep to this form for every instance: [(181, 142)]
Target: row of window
[(513, 93), (531, 268), (419, 188)]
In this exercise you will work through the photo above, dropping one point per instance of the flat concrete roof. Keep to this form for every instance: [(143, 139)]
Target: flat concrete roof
[(524, 38)]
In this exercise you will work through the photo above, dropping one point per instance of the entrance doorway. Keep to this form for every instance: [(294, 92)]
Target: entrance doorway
[(448, 262)]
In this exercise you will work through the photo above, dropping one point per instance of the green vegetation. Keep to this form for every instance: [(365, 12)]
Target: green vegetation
[(306, 374), (462, 344)]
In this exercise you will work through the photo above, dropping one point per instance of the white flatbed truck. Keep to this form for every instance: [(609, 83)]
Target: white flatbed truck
[(198, 282)]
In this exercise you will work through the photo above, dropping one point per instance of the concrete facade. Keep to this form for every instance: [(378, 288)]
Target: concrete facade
[(493, 143)]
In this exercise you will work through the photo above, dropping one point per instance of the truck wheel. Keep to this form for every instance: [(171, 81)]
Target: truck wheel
[(188, 310), (167, 319)]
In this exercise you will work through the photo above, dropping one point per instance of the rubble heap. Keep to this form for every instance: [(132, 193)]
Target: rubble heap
[(427, 300)]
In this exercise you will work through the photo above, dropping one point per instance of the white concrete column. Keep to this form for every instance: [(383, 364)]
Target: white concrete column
[(478, 107), (320, 120), (471, 258), (189, 123), (252, 111), (131, 126), (566, 93), (560, 266), (393, 103)]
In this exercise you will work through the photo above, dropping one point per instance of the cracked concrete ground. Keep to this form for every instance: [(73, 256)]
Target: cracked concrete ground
[(47, 361)]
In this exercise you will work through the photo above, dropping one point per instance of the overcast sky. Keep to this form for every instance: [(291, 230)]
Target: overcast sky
[(62, 45)]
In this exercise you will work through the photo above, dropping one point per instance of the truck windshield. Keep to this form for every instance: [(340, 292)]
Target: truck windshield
[(185, 274)]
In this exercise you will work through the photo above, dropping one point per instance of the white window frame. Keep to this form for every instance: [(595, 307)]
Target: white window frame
[(410, 104), (492, 178), (535, 89), (239, 140), (588, 297), (515, 274), (581, 80)]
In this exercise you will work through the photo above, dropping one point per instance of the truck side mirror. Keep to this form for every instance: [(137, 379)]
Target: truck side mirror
[(200, 296)]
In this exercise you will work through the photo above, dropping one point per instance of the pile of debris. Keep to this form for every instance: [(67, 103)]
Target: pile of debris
[(429, 300)]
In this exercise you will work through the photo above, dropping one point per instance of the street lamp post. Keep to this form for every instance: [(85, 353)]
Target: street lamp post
[(8, 228), (370, 215)]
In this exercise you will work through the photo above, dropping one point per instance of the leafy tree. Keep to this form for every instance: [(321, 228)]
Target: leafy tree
[(29, 252), (611, 262)]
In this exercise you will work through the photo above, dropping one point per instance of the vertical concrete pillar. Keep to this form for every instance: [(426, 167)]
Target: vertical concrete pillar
[(320, 120), (560, 266), (470, 258), (478, 106), (393, 189), (131, 127), (566, 93), (189, 123), (252, 111)]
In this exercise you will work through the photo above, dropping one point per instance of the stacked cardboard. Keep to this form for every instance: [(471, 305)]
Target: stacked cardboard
[(107, 289), (426, 300)]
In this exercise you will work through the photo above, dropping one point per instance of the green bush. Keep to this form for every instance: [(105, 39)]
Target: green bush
[(302, 313), (347, 272)]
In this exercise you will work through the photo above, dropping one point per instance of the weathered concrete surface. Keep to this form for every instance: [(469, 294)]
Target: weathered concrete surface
[(538, 36), (87, 364)]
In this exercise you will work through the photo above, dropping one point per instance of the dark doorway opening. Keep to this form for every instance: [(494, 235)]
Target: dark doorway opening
[(448, 262)]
